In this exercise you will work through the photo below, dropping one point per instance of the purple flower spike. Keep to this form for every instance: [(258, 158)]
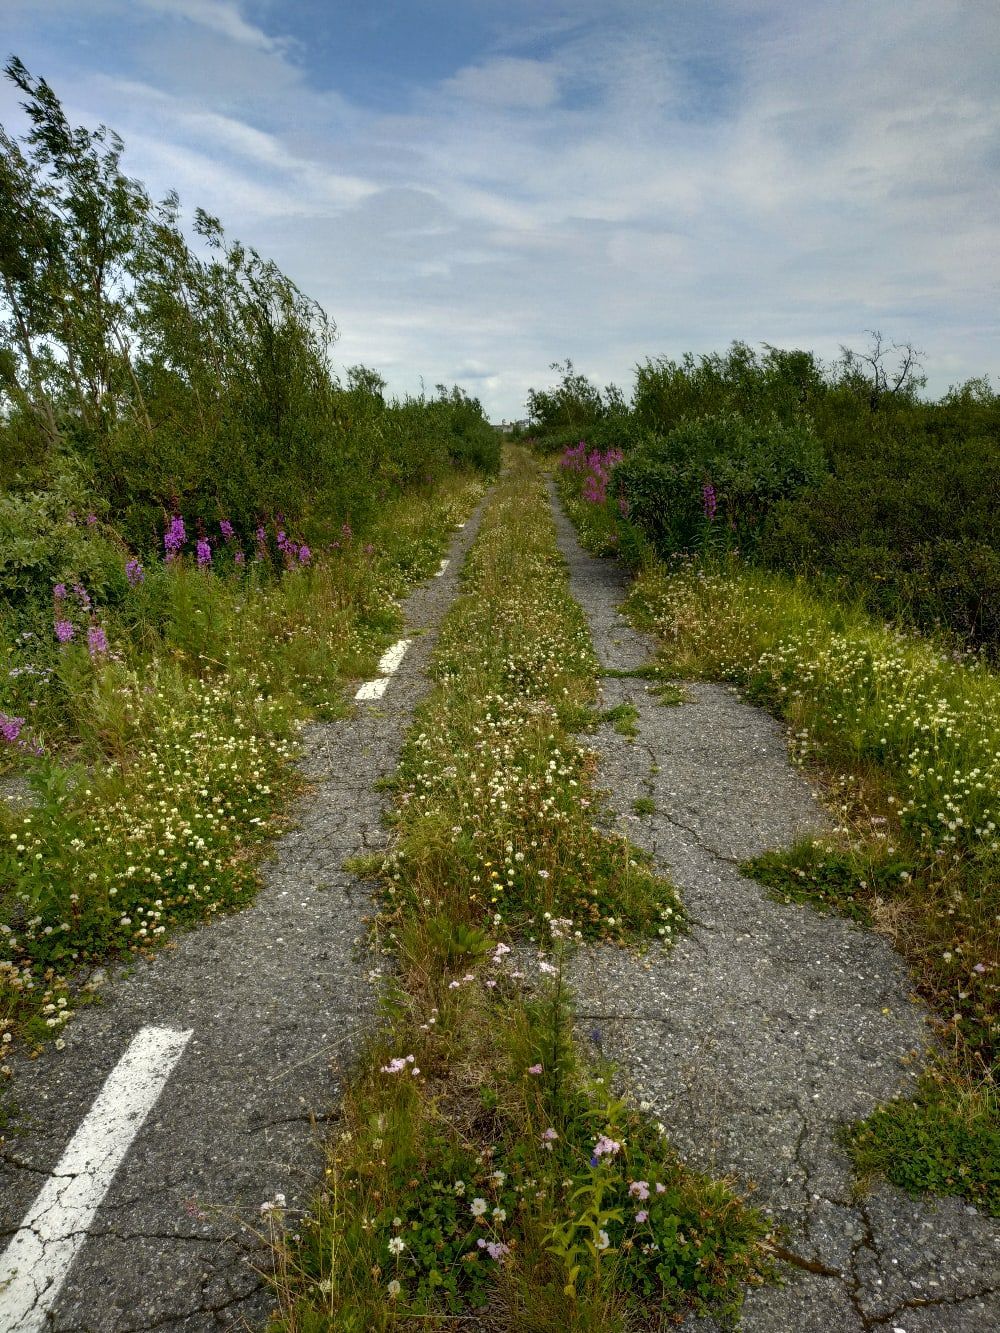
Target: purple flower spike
[(59, 592), (240, 559), (174, 537), (709, 500), (64, 630), (226, 528), (134, 573), (305, 555), (97, 642), (203, 552)]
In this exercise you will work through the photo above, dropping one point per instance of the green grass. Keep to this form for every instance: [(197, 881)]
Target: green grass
[(644, 805), (624, 718), (464, 1174)]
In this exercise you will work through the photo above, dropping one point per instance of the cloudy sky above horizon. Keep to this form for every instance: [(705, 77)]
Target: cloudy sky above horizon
[(475, 189)]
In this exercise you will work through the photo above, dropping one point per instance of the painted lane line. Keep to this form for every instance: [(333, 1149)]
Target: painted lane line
[(34, 1266), (373, 689), (387, 666), (391, 658), (444, 566)]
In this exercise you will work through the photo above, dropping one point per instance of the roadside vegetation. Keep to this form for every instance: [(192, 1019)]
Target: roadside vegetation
[(902, 729), (203, 534), (481, 1163)]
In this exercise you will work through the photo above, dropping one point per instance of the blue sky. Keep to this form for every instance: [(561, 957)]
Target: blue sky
[(476, 189)]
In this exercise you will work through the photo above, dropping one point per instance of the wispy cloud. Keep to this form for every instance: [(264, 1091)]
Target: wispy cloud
[(607, 181)]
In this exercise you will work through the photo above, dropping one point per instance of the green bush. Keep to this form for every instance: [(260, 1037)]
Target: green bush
[(713, 481)]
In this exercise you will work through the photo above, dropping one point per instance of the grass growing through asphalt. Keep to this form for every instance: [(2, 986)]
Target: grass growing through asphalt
[(908, 740), (169, 763), (481, 1164)]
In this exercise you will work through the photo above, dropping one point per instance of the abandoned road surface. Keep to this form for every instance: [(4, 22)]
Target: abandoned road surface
[(131, 1198), (766, 1025)]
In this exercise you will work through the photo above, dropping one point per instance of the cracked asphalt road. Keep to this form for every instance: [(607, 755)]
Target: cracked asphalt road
[(766, 1025), (277, 997)]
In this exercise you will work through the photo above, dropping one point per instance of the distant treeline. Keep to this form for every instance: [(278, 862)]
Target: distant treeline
[(837, 471), (141, 378)]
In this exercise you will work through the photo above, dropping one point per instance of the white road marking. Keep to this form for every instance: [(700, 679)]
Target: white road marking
[(444, 566), (391, 658), (373, 689), (387, 666), (34, 1266)]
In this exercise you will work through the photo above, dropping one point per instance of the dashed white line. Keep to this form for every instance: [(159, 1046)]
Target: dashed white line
[(444, 566), (33, 1268), (387, 666), (373, 689)]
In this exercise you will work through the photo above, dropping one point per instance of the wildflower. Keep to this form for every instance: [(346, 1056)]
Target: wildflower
[(10, 727), (174, 537), (547, 968), (59, 592), (709, 500), (226, 528), (499, 1215), (549, 1136), (97, 642), (239, 559), (397, 1245), (82, 596), (660, 1189), (535, 1069), (134, 572), (394, 1288), (305, 555), (639, 1189), (478, 1207), (64, 630), (496, 1249), (91, 520), (397, 1064), (203, 552), (603, 1240), (604, 1147), (641, 1215)]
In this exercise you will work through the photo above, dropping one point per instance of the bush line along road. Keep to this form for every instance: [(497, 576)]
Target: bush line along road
[(411, 911)]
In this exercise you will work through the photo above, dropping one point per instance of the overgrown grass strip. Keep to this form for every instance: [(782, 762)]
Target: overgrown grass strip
[(481, 1164)]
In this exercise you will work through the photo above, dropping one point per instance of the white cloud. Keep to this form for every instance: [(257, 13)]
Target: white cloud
[(220, 16), (506, 82)]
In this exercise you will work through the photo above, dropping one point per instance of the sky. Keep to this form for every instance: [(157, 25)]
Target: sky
[(474, 189)]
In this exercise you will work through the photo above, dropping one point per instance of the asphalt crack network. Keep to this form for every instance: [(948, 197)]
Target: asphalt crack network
[(277, 998), (766, 1025)]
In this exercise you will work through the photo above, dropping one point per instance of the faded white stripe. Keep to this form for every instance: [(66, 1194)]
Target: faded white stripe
[(391, 658), (34, 1266), (373, 689)]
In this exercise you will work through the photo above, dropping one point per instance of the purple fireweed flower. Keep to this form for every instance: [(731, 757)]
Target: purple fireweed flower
[(174, 537), (226, 528), (91, 520), (134, 572), (59, 592), (709, 500), (261, 538), (82, 596), (10, 727), (64, 630), (347, 532), (240, 559), (305, 555), (97, 642), (203, 552)]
